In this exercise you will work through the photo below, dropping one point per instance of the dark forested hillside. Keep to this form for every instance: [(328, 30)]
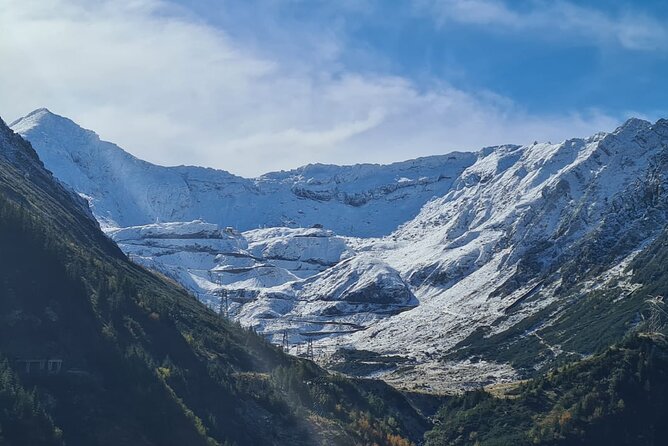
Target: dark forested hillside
[(96, 350), (615, 398)]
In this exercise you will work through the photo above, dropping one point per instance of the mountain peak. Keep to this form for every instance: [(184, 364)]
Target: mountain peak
[(633, 125), (46, 119), (41, 112), (35, 115)]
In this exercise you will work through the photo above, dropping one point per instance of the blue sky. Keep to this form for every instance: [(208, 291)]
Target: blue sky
[(257, 85), (544, 69)]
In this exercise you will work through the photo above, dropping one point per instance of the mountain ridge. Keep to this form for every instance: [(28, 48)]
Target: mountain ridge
[(481, 255), (304, 192)]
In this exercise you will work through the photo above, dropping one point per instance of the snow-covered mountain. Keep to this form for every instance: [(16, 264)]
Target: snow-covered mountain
[(430, 260), (361, 200), (184, 222), (525, 229)]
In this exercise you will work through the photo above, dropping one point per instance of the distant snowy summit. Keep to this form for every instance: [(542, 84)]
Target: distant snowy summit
[(361, 200)]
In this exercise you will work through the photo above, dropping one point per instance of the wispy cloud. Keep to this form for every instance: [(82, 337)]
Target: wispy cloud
[(172, 89), (553, 19)]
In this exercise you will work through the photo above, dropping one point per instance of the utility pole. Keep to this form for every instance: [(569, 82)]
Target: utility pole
[(224, 308), (309, 349), (226, 305), (285, 343)]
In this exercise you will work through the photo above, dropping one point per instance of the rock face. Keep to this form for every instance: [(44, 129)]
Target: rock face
[(432, 259)]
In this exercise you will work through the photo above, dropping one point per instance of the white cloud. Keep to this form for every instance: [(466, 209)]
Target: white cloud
[(553, 19), (173, 90)]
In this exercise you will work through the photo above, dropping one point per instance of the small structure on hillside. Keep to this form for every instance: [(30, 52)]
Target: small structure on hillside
[(39, 366)]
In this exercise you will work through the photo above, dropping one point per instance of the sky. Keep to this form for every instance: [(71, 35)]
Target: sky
[(252, 86)]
